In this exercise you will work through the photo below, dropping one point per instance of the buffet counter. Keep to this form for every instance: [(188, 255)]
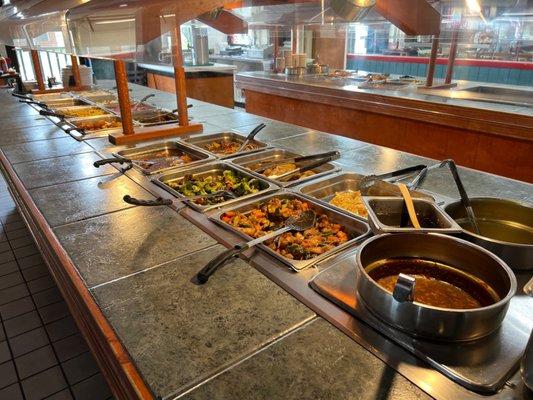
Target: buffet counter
[(428, 122), (256, 329)]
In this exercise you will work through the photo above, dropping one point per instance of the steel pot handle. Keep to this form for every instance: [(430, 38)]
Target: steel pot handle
[(404, 288), (212, 266), (147, 203)]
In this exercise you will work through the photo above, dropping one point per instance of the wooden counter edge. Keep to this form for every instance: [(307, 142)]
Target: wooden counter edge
[(114, 361)]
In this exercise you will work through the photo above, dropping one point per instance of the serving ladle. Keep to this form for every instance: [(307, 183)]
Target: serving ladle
[(304, 221)]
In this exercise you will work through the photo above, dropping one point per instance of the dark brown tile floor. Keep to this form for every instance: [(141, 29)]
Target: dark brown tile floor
[(42, 353)]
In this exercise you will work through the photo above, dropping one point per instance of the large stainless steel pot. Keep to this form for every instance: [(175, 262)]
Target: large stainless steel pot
[(427, 321), (506, 228)]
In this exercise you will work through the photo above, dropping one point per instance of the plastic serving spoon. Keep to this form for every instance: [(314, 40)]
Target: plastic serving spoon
[(410, 205), (304, 221)]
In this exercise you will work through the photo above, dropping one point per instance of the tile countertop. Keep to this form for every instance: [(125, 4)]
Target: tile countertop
[(242, 337)]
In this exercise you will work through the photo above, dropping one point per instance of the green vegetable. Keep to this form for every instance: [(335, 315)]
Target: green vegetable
[(229, 180)]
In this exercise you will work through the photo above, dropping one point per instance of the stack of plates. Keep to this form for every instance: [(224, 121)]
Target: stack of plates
[(86, 75)]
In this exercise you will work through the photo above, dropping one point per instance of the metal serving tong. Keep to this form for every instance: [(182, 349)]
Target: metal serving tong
[(264, 165), (321, 159), (160, 201), (251, 137), (300, 170), (465, 201), (304, 221), (370, 180)]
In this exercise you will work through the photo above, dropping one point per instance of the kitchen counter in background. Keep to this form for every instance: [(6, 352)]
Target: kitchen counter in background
[(425, 122), (210, 83)]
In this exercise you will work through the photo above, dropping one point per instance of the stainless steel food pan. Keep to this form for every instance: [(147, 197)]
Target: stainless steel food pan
[(63, 110), (45, 98), (148, 117), (66, 102), (75, 131), (201, 141), (203, 171), (357, 229), (247, 162), (324, 190), (506, 228), (144, 152), (385, 216)]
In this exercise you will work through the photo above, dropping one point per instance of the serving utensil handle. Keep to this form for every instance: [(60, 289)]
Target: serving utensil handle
[(212, 266), (147, 203), (21, 96), (335, 154), (251, 136), (410, 205), (119, 160), (48, 113), (401, 172), (287, 175), (465, 200), (37, 103)]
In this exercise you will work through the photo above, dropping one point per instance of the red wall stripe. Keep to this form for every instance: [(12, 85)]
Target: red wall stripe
[(443, 61)]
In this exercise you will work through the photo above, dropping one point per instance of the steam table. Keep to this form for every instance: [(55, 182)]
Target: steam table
[(125, 273)]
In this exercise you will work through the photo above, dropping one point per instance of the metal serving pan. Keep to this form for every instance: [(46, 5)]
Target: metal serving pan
[(212, 169), (324, 190), (67, 102), (170, 148), (508, 225), (385, 215), (247, 162), (114, 107), (79, 133), (45, 98), (90, 94), (145, 116), (356, 228), (201, 141), (63, 110), (99, 99)]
